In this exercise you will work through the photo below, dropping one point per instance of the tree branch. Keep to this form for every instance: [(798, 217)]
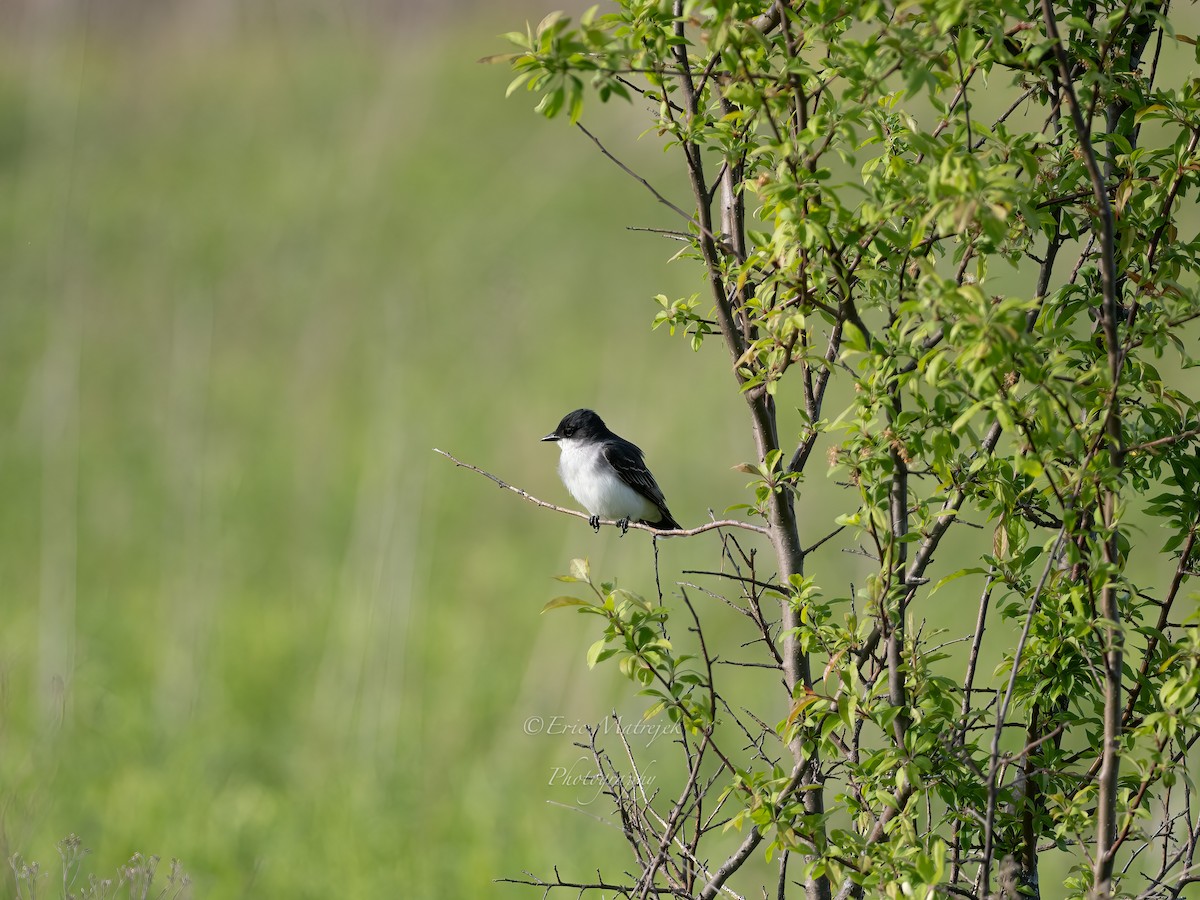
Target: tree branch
[(682, 532)]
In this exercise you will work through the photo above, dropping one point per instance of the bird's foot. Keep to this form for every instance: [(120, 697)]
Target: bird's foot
[(623, 524), (594, 521)]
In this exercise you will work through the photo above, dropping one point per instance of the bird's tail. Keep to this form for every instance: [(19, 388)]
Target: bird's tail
[(667, 522)]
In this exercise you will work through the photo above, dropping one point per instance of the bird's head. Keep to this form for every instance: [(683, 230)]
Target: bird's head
[(580, 425)]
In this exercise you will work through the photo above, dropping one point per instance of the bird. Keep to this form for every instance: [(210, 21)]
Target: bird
[(608, 474)]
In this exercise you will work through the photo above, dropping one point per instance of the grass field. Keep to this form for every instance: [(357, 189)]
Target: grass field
[(250, 619)]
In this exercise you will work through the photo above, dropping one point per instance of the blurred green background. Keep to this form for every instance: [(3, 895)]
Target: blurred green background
[(256, 261)]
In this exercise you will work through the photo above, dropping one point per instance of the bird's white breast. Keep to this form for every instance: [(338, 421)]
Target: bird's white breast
[(594, 483)]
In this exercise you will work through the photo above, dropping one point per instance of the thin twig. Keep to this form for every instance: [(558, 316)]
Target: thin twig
[(830, 536), (1002, 713), (658, 532), (653, 190)]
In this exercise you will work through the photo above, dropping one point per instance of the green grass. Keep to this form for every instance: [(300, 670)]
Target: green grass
[(250, 620)]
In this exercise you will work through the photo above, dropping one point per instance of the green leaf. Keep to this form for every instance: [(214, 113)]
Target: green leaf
[(552, 102), (654, 710), (517, 82), (954, 576), (596, 652), (499, 58), (580, 570), (548, 22), (559, 602)]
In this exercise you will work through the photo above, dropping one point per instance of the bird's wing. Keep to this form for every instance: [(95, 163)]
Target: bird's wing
[(626, 459)]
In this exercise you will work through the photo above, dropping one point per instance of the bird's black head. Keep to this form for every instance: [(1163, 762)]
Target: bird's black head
[(580, 425)]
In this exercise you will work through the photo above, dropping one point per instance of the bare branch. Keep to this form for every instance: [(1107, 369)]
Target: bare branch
[(682, 532), (638, 178), (1001, 715)]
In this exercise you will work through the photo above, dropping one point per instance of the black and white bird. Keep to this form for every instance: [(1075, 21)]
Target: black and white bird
[(607, 474)]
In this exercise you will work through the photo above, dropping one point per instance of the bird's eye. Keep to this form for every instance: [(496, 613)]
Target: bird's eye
[(569, 430)]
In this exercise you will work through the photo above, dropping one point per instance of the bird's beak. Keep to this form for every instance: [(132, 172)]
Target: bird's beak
[(550, 437)]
